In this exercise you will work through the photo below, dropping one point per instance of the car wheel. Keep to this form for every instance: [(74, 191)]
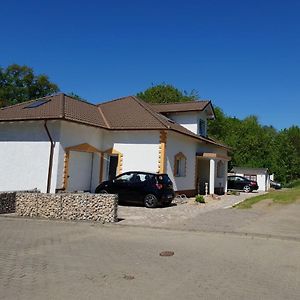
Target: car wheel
[(103, 192), (150, 201), (247, 189)]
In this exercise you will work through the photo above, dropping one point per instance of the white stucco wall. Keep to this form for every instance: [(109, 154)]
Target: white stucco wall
[(261, 181), (139, 148), (24, 155), (189, 120), (179, 143)]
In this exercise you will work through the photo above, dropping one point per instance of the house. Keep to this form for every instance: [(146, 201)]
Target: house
[(60, 143), (261, 175)]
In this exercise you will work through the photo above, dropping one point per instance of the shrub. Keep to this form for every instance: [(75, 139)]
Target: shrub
[(292, 184), (199, 199)]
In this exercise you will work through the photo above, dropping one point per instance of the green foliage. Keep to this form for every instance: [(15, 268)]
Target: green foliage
[(293, 184), (19, 84), (166, 93), (257, 146), (199, 199)]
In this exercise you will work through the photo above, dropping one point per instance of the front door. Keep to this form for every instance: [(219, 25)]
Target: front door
[(112, 166)]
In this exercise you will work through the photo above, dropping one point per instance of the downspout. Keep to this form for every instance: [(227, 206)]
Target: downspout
[(52, 145)]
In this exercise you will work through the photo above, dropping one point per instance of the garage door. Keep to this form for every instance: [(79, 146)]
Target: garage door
[(80, 171)]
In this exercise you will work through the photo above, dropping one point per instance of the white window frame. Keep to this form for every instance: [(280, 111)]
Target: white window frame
[(179, 165)]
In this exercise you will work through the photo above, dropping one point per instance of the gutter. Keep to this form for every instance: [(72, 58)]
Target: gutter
[(52, 145)]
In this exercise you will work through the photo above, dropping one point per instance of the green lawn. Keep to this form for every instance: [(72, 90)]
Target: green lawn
[(285, 196)]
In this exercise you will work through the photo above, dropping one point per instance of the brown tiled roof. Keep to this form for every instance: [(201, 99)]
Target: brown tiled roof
[(132, 113), (50, 110), (128, 113), (83, 112), (181, 106), (57, 107)]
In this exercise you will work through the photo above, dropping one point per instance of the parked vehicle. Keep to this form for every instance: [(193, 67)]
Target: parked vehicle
[(149, 189), (275, 185), (241, 183)]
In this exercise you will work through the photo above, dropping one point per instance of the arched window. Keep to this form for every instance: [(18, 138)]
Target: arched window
[(180, 165), (220, 169)]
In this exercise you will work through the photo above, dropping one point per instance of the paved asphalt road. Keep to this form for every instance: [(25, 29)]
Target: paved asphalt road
[(41, 259)]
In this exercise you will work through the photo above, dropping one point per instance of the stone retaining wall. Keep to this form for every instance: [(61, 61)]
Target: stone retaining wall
[(94, 207), (7, 202)]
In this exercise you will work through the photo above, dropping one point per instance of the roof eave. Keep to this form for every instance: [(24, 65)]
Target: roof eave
[(202, 139)]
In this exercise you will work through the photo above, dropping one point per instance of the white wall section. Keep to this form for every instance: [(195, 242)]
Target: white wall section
[(139, 149), (24, 155), (178, 143)]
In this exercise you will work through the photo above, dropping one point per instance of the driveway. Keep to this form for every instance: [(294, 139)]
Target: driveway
[(264, 219), (178, 213)]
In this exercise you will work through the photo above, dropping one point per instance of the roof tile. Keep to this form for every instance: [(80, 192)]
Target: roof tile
[(181, 106), (58, 107), (128, 113)]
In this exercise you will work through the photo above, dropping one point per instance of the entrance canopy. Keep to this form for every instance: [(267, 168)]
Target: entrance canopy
[(210, 155)]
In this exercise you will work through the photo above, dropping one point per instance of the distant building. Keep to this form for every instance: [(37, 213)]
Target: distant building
[(261, 175)]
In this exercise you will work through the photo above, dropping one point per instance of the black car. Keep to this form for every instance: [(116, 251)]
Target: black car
[(241, 183), (149, 189), (275, 185)]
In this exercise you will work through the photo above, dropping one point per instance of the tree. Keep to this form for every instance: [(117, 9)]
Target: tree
[(19, 84), (166, 93), (254, 145), (218, 128)]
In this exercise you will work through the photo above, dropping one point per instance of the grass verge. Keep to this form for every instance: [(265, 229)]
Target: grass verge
[(285, 196)]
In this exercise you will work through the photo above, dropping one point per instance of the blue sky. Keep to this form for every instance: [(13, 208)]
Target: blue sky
[(243, 55)]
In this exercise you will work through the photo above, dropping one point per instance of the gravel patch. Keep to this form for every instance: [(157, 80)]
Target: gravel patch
[(179, 212)]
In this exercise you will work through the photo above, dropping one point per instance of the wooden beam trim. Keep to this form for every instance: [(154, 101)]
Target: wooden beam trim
[(213, 155), (101, 167), (66, 169), (83, 148), (162, 152)]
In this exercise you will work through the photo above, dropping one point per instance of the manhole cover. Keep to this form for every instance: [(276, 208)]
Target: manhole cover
[(166, 253), (128, 277)]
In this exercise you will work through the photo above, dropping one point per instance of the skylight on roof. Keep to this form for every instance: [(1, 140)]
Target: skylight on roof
[(37, 103)]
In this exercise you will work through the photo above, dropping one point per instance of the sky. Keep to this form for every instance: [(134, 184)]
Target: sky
[(242, 55)]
